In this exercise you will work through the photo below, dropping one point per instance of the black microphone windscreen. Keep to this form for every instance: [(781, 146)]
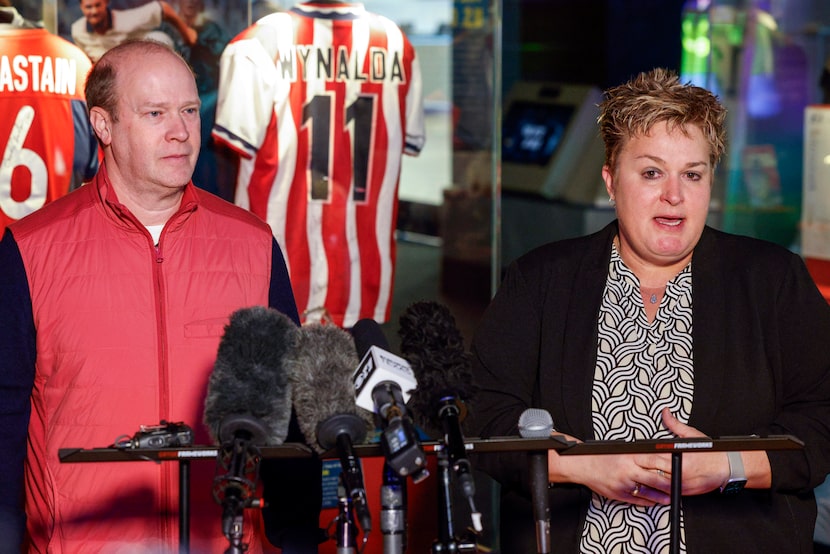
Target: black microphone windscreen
[(250, 377), (321, 372), (434, 348), (368, 333)]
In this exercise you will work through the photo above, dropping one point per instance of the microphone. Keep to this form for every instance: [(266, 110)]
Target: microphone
[(538, 423), (250, 375), (247, 404), (535, 423), (382, 385), (321, 369), (443, 368)]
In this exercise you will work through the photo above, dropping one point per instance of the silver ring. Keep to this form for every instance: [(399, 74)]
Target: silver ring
[(636, 490), (661, 473)]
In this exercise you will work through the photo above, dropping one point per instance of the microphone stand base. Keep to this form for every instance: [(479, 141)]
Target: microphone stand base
[(454, 547)]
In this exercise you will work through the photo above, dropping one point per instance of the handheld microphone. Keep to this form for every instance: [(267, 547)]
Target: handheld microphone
[(321, 369), (535, 423), (382, 384), (247, 404), (538, 423), (435, 350)]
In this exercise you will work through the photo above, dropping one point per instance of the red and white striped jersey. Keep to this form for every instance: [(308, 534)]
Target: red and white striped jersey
[(46, 140), (321, 101)]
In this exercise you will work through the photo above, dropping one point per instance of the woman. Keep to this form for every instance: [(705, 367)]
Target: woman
[(658, 326)]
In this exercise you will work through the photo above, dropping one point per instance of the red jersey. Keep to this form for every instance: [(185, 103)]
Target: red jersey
[(321, 101), (45, 135)]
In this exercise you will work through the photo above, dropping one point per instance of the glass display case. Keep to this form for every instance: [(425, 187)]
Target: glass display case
[(768, 60), (765, 59), (448, 193), (448, 210)]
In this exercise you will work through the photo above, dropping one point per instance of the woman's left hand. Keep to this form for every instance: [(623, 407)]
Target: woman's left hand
[(702, 472)]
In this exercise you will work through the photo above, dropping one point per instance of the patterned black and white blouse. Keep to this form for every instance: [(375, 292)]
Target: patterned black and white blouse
[(641, 368)]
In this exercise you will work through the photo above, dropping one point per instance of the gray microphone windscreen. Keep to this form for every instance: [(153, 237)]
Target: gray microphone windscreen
[(535, 423), (323, 392)]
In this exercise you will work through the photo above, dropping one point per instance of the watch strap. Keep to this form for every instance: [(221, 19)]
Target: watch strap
[(737, 474)]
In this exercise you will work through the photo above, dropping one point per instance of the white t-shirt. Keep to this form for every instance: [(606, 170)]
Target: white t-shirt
[(155, 232)]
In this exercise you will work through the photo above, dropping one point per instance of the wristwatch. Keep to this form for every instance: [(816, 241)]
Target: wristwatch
[(737, 475)]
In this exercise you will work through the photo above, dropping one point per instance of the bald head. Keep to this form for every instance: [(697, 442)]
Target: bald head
[(102, 83)]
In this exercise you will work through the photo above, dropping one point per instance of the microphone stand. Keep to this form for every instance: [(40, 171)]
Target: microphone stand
[(676, 495), (538, 465), (234, 490), (232, 520), (346, 526), (447, 541), (393, 511)]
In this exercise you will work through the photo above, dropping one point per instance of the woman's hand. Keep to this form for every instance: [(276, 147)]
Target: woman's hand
[(640, 479), (643, 479), (702, 471)]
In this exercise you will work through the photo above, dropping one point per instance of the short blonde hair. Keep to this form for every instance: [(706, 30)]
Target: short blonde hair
[(658, 96)]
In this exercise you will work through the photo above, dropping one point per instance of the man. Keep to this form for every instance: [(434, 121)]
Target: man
[(49, 147), (321, 102), (112, 303), (101, 28)]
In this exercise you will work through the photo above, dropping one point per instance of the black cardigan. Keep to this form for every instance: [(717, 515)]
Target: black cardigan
[(762, 365)]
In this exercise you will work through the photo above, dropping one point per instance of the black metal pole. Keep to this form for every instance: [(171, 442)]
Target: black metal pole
[(184, 506), (676, 496), (446, 533)]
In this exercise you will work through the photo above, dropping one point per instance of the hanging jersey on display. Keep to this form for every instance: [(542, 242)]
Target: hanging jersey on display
[(46, 140), (321, 101)]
